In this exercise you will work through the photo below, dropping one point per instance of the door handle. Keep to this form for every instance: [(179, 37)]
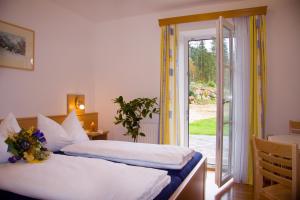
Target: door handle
[(226, 101)]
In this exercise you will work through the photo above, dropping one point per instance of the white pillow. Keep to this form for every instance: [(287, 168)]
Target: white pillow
[(55, 134), (73, 127), (4, 155), (8, 125)]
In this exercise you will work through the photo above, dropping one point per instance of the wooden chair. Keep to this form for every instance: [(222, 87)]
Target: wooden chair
[(275, 170), (294, 126)]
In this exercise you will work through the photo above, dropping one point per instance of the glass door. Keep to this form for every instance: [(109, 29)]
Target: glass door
[(224, 101)]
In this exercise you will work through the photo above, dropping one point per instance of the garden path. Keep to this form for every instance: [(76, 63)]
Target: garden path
[(197, 112), (206, 144)]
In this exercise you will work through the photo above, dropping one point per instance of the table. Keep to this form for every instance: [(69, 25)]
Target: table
[(290, 138), (98, 135)]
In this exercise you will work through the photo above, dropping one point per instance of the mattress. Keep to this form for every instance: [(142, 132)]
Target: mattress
[(165, 194), (177, 177), (180, 173), (137, 154), (102, 180), (185, 171)]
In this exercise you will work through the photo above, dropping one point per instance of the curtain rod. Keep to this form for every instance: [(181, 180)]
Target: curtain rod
[(214, 15)]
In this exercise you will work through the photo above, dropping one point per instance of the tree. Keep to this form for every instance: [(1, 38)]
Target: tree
[(193, 73), (204, 61)]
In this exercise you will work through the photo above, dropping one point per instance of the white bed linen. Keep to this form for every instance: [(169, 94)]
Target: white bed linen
[(8, 125), (140, 154), (67, 177)]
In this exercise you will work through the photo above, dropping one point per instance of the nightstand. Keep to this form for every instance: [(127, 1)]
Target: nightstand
[(97, 135)]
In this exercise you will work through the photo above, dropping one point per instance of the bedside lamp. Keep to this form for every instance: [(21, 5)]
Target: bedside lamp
[(79, 104), (75, 102)]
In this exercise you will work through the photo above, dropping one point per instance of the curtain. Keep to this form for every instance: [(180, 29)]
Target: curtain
[(169, 84), (241, 84), (258, 80)]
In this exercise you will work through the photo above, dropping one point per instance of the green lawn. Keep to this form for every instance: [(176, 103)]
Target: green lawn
[(203, 127)]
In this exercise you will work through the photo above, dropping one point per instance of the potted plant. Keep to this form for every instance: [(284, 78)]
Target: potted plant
[(131, 113)]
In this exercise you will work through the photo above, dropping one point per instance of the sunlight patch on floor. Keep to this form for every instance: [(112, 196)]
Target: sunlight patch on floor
[(211, 188)]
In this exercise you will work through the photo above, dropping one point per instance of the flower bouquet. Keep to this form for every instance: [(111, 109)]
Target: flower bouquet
[(27, 144)]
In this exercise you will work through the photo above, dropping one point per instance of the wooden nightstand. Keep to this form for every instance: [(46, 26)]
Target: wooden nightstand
[(97, 135)]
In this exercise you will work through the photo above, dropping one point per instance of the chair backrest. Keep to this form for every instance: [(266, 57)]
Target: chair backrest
[(294, 126), (276, 162)]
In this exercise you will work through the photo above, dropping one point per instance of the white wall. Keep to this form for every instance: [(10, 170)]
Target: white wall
[(283, 43), (122, 57), (127, 60), (62, 56)]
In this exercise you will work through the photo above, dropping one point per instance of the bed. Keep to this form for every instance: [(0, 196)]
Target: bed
[(68, 177), (188, 183)]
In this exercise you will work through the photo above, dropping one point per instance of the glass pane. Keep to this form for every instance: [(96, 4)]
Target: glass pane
[(227, 84), (224, 150), (225, 157), (227, 104), (226, 65), (226, 113)]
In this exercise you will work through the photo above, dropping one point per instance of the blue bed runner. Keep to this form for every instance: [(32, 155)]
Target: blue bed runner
[(185, 171)]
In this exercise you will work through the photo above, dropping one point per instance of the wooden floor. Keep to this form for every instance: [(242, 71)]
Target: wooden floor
[(235, 192), (238, 192)]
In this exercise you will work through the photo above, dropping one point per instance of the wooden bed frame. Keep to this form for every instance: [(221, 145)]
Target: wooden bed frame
[(193, 186), (87, 118)]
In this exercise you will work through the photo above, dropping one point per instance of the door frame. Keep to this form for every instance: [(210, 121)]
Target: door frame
[(221, 23), (186, 41)]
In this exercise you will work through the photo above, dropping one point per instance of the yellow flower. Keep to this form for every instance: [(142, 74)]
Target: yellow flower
[(29, 157), (30, 131), (11, 136), (35, 161)]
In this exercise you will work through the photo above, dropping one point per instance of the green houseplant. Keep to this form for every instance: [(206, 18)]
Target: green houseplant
[(131, 113)]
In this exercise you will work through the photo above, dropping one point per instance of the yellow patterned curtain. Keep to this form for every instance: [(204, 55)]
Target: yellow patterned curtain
[(169, 108), (258, 81)]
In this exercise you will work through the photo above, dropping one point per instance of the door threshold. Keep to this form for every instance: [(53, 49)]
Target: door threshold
[(209, 168), (224, 188)]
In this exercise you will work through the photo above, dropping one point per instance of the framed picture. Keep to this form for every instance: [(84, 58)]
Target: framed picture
[(16, 46)]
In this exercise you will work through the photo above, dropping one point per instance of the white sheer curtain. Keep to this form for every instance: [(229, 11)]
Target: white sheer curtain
[(241, 82)]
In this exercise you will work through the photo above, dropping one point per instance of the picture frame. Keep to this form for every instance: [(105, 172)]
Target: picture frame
[(16, 47)]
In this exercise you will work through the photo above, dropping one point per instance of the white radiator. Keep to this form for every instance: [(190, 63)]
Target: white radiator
[(151, 131)]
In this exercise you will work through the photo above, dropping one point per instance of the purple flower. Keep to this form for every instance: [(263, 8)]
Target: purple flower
[(38, 133), (14, 159), (40, 136), (42, 139)]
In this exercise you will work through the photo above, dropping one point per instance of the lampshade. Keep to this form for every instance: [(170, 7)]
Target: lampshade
[(76, 102)]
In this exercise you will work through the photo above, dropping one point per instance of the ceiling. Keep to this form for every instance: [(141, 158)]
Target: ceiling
[(104, 10)]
